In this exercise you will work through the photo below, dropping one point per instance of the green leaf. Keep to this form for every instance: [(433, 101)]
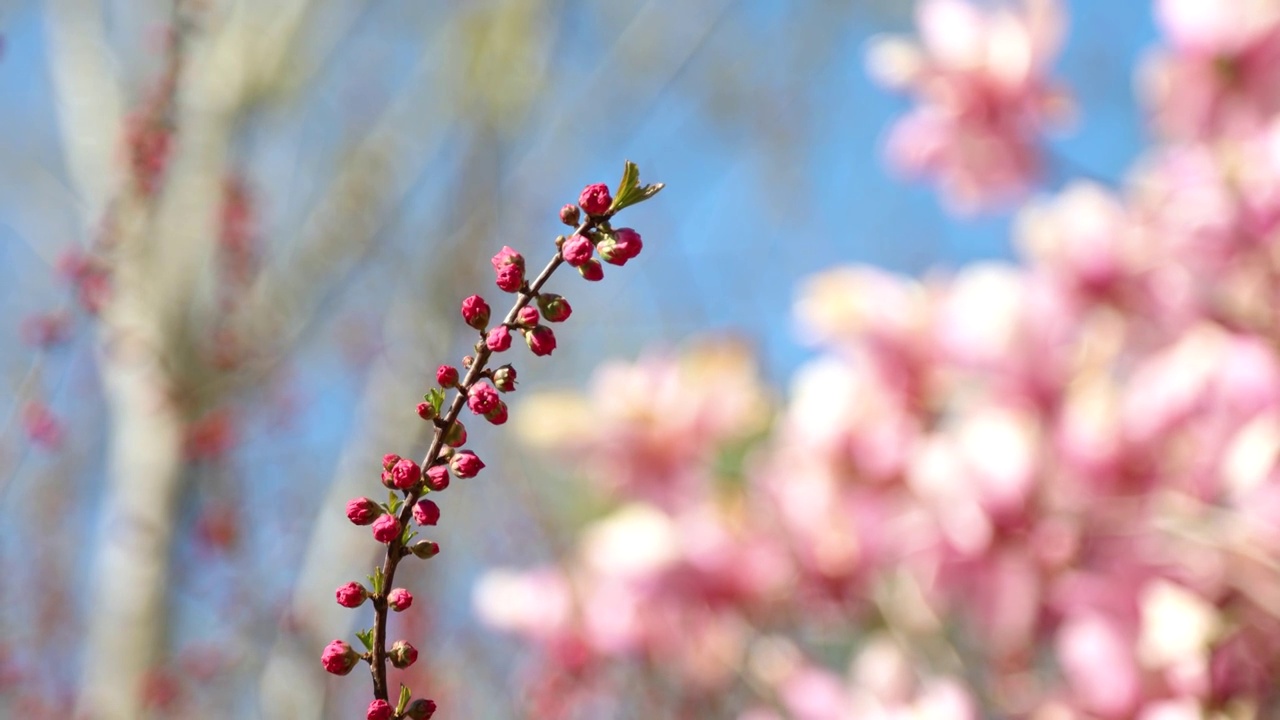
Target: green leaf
[(404, 699), (376, 581), (406, 534), (626, 186), (630, 192), (436, 397), (366, 638), (394, 503)]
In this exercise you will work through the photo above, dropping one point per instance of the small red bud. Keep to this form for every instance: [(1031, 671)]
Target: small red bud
[(541, 340), (386, 529), (465, 464), (595, 199), (351, 595), (592, 270), (363, 511), (437, 477), (498, 339), (577, 250), (447, 376), (554, 307), (426, 411), (528, 315), (504, 378), (425, 549), (498, 415), (476, 312), (399, 599), (426, 512), (379, 710), (420, 709), (338, 658), (457, 435), (402, 654)]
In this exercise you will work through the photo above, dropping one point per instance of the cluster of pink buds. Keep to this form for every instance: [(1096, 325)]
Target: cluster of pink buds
[(480, 390)]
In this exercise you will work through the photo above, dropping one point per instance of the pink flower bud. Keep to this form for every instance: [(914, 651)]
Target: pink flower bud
[(498, 339), (504, 378), (577, 250), (457, 435), (510, 278), (405, 474), (338, 658), (569, 215), (482, 398), (426, 512), (541, 340), (389, 461), (379, 710), (422, 708), (621, 246), (402, 654), (437, 477), (399, 599), (388, 482), (363, 511), (528, 315), (595, 199), (426, 411), (386, 528), (351, 595), (506, 257), (592, 271), (447, 376), (498, 415), (425, 549), (554, 307), (476, 312), (466, 464)]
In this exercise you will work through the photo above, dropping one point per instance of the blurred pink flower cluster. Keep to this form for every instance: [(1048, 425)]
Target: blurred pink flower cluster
[(983, 97), (1045, 490)]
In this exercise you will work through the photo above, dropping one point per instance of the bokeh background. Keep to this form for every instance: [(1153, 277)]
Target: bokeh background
[(233, 237)]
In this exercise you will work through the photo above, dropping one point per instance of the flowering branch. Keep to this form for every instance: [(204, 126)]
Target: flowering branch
[(479, 391)]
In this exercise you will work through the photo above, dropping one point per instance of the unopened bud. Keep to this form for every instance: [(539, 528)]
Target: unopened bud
[(399, 599), (402, 654), (420, 709), (457, 435), (425, 549), (592, 270), (363, 511), (504, 378), (554, 307), (569, 215), (498, 415), (351, 595), (437, 477), (447, 376), (475, 311), (338, 658)]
